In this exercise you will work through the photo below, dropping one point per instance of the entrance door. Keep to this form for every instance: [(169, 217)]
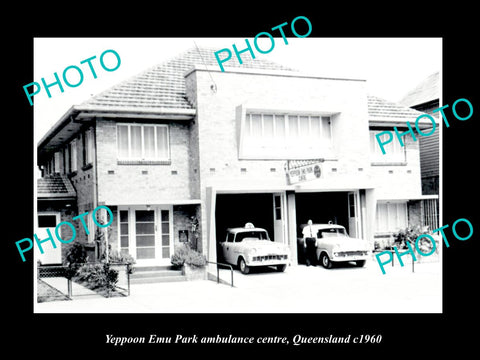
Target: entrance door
[(278, 217), (146, 234), (353, 214), (50, 255), (146, 247)]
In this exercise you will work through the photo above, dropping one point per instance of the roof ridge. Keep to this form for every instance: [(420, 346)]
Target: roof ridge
[(423, 91), (166, 78)]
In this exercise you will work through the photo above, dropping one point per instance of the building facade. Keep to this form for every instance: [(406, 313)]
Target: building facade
[(184, 151), (425, 97)]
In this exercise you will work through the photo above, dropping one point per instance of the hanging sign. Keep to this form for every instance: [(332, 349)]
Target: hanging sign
[(298, 174)]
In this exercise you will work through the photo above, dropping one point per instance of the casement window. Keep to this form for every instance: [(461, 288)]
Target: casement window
[(286, 135), (142, 142), (49, 167), (66, 159), (394, 152), (73, 155), (87, 147), (55, 163), (391, 216), (123, 230)]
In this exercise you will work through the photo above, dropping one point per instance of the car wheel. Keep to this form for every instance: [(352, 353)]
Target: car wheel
[(281, 268), (244, 268), (325, 261), (360, 263)]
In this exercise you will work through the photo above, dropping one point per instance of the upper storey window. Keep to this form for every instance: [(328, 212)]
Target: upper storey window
[(286, 135), (143, 142)]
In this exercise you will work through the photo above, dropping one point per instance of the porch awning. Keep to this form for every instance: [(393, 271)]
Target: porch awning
[(55, 187)]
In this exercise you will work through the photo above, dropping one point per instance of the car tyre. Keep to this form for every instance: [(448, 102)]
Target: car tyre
[(281, 268), (360, 263), (325, 261), (244, 268)]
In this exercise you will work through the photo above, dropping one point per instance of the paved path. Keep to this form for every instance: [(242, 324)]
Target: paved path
[(78, 291)]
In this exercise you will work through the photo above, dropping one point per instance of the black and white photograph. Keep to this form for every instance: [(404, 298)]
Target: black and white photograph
[(277, 189), (253, 182)]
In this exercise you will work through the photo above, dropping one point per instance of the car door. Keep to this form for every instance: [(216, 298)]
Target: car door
[(227, 248)]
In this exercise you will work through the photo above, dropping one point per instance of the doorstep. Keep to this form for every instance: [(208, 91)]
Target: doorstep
[(156, 274)]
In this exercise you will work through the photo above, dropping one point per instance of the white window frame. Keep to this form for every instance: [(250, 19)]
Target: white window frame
[(392, 227), (285, 146), (143, 157), (56, 162), (73, 155), (120, 234), (89, 147), (66, 160)]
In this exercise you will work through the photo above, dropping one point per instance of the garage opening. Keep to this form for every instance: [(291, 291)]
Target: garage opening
[(322, 207), (235, 210)]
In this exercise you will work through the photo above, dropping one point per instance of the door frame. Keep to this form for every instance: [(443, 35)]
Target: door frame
[(355, 221), (37, 254), (279, 226), (132, 248)]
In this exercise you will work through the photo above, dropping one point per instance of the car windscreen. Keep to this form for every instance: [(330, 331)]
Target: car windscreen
[(260, 235), (331, 232)]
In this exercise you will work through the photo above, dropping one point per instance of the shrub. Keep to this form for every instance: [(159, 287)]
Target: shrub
[(97, 276), (120, 258), (410, 234), (184, 254), (114, 257), (76, 256)]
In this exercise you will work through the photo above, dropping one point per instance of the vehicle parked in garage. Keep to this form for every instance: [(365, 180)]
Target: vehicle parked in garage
[(333, 245), (250, 246)]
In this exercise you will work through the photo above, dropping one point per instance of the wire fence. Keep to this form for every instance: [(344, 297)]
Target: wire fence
[(67, 283)]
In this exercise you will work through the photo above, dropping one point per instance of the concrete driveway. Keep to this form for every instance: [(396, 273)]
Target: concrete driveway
[(344, 289)]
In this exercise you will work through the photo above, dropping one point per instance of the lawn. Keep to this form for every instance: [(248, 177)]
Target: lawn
[(47, 293)]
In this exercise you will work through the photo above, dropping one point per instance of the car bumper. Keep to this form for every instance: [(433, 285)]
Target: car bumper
[(268, 260), (350, 256)]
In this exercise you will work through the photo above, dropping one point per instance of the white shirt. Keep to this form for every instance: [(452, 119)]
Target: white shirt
[(307, 232)]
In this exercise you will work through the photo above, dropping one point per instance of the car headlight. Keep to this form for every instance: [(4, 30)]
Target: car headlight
[(252, 251)]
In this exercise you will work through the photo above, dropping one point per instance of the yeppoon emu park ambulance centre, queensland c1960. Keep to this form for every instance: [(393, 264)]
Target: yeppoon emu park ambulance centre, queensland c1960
[(184, 151)]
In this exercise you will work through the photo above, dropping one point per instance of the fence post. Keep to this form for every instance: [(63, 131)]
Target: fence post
[(128, 279), (69, 286)]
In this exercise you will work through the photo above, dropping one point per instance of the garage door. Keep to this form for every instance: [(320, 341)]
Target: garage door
[(235, 210), (322, 207)]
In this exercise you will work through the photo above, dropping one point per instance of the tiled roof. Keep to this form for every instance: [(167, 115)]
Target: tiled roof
[(383, 110), (427, 90), (55, 186), (163, 86)]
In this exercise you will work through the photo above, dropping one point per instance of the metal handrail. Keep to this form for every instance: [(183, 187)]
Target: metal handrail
[(218, 271)]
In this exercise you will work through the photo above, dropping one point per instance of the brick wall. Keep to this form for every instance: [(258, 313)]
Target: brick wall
[(399, 181), (415, 215), (83, 180), (182, 220), (143, 183)]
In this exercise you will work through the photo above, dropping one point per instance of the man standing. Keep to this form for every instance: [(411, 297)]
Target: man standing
[(309, 244)]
